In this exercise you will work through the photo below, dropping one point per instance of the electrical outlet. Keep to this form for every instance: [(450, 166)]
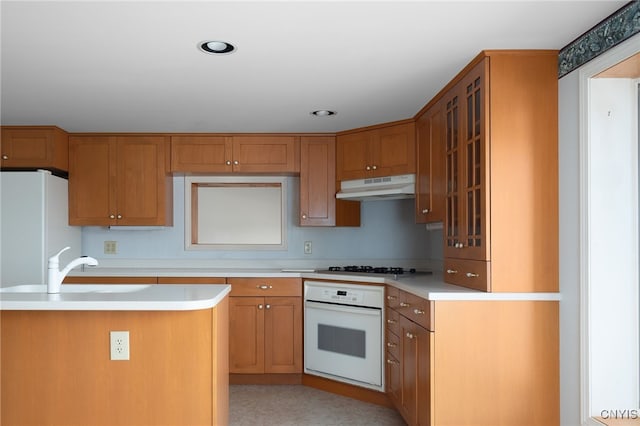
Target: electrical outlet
[(119, 345), (308, 246), (110, 247)]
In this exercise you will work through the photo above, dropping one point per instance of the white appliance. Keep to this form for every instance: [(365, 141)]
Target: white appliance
[(34, 217), (378, 188), (343, 332)]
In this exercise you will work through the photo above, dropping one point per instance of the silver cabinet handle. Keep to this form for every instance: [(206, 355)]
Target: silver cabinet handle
[(119, 216), (260, 306), (418, 311), (228, 163), (375, 167), (236, 162), (368, 167), (5, 157), (391, 297), (391, 345), (404, 304), (264, 286), (471, 275), (451, 271), (459, 245), (392, 361), (409, 335), (112, 216), (425, 211), (390, 321), (268, 306), (304, 216)]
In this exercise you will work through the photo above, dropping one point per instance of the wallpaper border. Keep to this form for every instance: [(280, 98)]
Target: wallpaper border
[(610, 32)]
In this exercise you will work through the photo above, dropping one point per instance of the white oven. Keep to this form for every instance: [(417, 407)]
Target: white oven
[(343, 325)]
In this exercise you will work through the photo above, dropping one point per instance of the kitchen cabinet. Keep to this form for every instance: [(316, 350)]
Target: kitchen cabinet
[(472, 362), (318, 204), (35, 147), (409, 358), (265, 326), (372, 152), (501, 220), (235, 153), (119, 180), (430, 165)]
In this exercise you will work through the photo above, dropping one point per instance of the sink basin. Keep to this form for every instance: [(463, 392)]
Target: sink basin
[(78, 288)]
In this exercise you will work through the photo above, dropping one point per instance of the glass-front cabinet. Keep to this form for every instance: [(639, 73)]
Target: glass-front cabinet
[(466, 224)]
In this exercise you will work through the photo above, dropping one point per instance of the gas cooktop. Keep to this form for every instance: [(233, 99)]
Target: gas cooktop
[(394, 270)]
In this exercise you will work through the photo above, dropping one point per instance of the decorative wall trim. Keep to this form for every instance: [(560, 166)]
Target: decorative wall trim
[(611, 31)]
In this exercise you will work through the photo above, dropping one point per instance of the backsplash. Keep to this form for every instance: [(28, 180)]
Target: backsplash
[(388, 232)]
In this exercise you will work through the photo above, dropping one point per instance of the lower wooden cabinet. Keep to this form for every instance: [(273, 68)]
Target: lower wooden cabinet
[(477, 362), (265, 326)]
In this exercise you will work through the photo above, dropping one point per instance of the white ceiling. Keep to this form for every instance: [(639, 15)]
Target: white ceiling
[(92, 66)]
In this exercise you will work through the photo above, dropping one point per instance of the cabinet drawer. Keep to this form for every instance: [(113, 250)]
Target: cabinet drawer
[(265, 286), (393, 344), (416, 309), (392, 298), (468, 273), (192, 280), (393, 321)]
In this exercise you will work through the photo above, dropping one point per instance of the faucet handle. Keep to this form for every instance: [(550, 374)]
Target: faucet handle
[(55, 259)]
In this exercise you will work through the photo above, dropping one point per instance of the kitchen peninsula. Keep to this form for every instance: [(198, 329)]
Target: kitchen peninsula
[(56, 366)]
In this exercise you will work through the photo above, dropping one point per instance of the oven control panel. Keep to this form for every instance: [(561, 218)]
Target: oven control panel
[(342, 295)]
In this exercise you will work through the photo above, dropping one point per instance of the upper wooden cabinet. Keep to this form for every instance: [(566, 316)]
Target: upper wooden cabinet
[(235, 154), (43, 147), (430, 173), (501, 222), (381, 151), (119, 180)]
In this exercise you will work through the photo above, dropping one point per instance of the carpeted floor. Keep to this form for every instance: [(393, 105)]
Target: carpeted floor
[(297, 405)]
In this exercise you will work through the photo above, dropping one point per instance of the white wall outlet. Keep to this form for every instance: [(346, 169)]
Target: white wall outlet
[(308, 247), (110, 247), (119, 345)]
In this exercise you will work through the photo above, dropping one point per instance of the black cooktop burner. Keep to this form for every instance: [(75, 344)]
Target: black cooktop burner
[(373, 269)]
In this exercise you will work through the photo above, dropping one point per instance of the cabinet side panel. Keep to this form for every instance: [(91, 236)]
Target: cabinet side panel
[(524, 172), (496, 363)]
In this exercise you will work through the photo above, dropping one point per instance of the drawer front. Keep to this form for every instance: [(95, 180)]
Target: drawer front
[(393, 321), (473, 274), (393, 344), (392, 297), (416, 309), (265, 286)]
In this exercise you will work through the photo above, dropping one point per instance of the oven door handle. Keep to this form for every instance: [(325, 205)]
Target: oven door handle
[(343, 308)]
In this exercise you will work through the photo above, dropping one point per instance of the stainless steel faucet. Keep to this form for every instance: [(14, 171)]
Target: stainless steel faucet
[(56, 275)]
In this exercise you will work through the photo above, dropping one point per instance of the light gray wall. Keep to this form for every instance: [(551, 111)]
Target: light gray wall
[(388, 232)]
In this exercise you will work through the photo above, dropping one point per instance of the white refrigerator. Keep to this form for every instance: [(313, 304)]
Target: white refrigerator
[(34, 214)]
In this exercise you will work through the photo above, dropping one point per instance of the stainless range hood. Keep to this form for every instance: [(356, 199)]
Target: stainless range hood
[(379, 188)]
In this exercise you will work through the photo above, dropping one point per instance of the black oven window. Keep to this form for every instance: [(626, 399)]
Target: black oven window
[(346, 341)]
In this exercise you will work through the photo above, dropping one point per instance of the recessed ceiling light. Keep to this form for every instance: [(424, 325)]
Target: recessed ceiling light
[(323, 113), (216, 47)]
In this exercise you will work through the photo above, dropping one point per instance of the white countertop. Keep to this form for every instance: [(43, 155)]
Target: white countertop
[(427, 286), (109, 297)]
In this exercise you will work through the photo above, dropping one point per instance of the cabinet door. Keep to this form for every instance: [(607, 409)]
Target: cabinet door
[(142, 181), (393, 150), (246, 335), (317, 181), (416, 373), (92, 185), (201, 154), (430, 179), (271, 154), (283, 335), (452, 233), (43, 147), (394, 369), (474, 197), (352, 155)]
